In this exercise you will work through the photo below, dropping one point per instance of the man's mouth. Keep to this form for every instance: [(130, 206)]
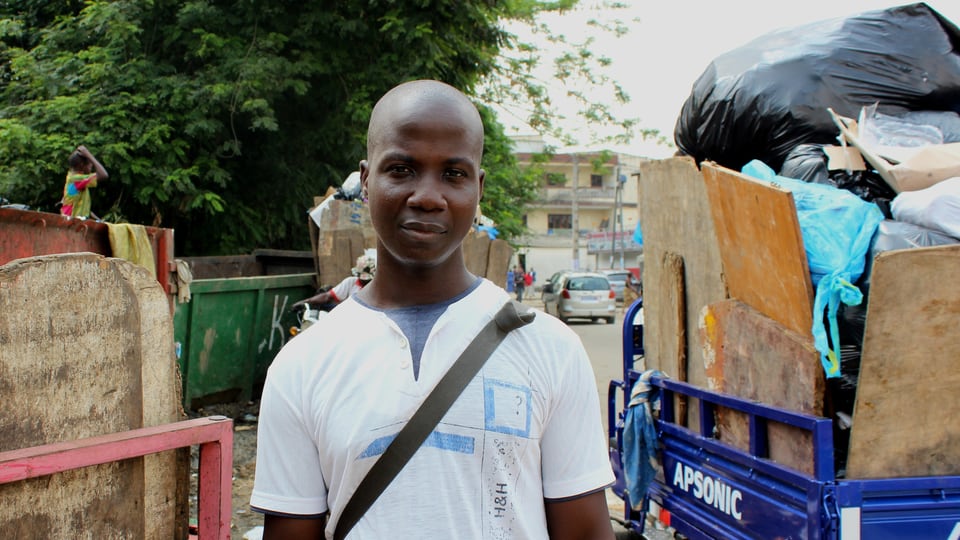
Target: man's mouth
[(424, 227)]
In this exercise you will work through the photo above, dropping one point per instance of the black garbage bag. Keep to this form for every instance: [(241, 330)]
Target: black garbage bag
[(808, 162), (763, 99)]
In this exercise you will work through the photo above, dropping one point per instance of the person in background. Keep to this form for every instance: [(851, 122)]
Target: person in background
[(632, 290), (84, 173), (520, 454), (361, 274), (519, 282)]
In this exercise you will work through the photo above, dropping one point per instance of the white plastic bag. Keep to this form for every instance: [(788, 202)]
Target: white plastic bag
[(936, 207)]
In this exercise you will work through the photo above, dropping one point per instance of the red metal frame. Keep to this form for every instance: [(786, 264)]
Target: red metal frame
[(214, 434)]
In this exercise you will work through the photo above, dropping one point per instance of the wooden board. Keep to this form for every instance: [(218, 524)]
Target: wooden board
[(344, 232), (88, 350), (908, 395), (675, 218), (499, 261), (751, 356), (764, 261), (338, 254), (476, 252), (673, 319)]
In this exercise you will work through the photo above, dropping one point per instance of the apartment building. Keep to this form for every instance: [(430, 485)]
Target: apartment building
[(586, 212)]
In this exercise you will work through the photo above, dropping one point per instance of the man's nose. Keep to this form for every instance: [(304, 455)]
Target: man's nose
[(428, 192)]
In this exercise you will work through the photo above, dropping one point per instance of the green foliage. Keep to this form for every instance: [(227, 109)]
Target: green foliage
[(558, 86), (224, 119), (507, 188)]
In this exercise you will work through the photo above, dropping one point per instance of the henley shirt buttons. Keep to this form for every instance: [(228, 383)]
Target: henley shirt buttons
[(405, 363)]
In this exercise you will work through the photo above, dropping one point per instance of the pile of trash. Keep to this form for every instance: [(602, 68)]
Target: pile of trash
[(866, 104)]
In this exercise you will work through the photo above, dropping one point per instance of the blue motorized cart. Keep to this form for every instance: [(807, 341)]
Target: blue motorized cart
[(708, 489)]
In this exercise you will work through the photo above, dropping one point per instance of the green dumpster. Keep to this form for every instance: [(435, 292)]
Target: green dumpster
[(230, 331)]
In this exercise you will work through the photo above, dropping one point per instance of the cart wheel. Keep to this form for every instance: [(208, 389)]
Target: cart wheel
[(622, 533)]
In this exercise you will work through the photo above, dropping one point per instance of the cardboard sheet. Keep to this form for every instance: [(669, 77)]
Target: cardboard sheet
[(905, 169)]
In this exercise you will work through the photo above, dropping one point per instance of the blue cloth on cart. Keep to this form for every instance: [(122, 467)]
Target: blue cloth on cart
[(837, 228), (640, 446)]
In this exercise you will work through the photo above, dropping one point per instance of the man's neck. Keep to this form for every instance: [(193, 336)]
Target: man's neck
[(391, 290)]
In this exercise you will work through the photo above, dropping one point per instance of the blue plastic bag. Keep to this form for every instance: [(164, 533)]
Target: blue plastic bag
[(837, 228)]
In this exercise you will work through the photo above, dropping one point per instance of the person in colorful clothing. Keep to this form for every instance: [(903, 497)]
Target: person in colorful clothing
[(85, 171)]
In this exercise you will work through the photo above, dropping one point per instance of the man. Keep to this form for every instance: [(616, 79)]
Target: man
[(519, 281), (521, 454)]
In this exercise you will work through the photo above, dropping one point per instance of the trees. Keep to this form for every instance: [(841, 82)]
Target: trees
[(223, 119)]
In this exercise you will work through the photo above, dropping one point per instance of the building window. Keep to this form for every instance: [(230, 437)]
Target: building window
[(556, 179), (596, 180), (559, 221)]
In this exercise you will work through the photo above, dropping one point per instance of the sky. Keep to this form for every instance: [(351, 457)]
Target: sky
[(671, 42)]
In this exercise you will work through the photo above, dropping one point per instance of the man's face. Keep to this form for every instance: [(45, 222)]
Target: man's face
[(423, 181)]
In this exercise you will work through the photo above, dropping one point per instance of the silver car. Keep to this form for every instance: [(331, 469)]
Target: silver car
[(618, 280), (580, 295)]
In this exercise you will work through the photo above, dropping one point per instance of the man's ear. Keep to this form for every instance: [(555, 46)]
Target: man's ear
[(483, 175), (364, 172)]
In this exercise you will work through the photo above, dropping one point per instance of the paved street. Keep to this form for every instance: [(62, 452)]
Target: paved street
[(604, 346)]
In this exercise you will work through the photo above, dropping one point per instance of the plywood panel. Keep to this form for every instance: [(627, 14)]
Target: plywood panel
[(908, 395), (499, 261), (764, 261), (675, 218), (87, 350), (754, 357), (476, 252)]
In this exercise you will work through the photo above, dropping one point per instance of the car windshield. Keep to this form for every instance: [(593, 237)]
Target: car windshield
[(618, 278), (588, 283)]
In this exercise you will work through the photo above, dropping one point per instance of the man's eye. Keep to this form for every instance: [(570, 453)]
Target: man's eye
[(455, 173), (400, 170)]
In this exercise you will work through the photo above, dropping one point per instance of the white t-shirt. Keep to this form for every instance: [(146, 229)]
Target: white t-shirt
[(346, 288), (527, 427)]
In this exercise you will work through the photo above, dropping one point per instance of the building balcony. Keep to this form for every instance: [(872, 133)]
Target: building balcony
[(589, 195)]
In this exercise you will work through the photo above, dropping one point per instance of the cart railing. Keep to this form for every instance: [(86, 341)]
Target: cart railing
[(214, 435)]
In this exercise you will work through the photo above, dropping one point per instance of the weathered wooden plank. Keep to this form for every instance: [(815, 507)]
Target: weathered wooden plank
[(673, 329), (87, 350), (344, 232), (764, 261), (675, 218), (751, 356), (339, 255), (476, 252), (908, 393), (499, 261)]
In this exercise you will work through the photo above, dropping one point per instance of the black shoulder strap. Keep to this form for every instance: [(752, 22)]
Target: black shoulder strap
[(511, 316)]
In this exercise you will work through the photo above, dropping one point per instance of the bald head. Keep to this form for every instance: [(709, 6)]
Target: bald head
[(416, 100)]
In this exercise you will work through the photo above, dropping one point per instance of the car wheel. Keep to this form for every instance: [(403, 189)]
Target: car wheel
[(562, 318), (595, 319), (609, 320)]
